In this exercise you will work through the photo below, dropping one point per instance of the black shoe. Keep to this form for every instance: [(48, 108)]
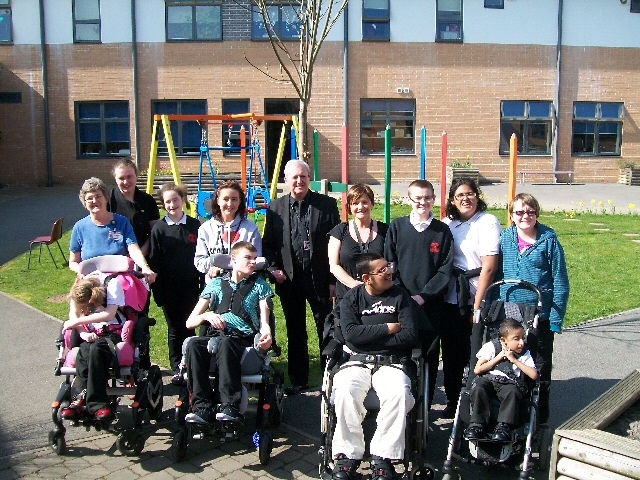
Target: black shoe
[(296, 389), (344, 468), (381, 469), (202, 414), (474, 432), (502, 433), (229, 413), (449, 411)]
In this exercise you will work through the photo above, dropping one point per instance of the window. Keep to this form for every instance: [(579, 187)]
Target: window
[(635, 6), (86, 21), (186, 135), (5, 21), (375, 19), (231, 131), (376, 114), (449, 20), (597, 128), (102, 128), (493, 3), (194, 20), (531, 121), (284, 18), (10, 97)]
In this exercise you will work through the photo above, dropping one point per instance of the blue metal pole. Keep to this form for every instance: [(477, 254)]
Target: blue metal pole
[(294, 147)]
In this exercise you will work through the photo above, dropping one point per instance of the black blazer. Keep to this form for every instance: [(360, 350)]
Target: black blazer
[(276, 241)]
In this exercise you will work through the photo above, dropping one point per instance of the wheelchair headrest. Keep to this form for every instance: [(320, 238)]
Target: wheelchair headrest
[(106, 264), (223, 261)]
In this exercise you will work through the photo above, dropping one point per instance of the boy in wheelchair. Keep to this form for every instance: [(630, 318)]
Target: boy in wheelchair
[(97, 326), (234, 309), (500, 369), (378, 324)]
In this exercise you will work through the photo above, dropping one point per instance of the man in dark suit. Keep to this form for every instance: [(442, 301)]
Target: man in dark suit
[(295, 245)]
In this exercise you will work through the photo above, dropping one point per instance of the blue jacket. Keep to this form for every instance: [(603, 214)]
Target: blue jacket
[(543, 264)]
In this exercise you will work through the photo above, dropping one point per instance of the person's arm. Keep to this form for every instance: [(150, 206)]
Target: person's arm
[(265, 330), (200, 315), (74, 263), (106, 315), (270, 248), (155, 249), (489, 267), (334, 264), (354, 331), (560, 287), (407, 331), (137, 256), (484, 365), (437, 285), (256, 240), (529, 371)]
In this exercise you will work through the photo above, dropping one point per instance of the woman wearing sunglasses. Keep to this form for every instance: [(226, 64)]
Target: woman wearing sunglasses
[(532, 252)]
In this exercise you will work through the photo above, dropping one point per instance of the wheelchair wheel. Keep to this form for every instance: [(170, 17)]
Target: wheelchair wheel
[(179, 445), (424, 472), (57, 442), (448, 476), (266, 445), (130, 443), (544, 448), (154, 392)]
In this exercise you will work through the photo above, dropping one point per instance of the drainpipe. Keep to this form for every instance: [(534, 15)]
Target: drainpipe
[(345, 125), (134, 61), (558, 84), (45, 97)]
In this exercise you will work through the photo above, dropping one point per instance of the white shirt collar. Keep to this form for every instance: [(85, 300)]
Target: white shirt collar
[(420, 225), (182, 221)]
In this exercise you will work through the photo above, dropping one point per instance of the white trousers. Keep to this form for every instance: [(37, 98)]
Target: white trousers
[(350, 387)]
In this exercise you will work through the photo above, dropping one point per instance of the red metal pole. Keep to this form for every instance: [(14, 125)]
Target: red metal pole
[(243, 158)]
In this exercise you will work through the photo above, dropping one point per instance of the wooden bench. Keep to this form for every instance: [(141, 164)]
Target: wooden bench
[(523, 174)]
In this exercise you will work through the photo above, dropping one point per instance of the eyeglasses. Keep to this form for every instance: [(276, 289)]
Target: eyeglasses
[(522, 213), (467, 195), (424, 199), (389, 268)]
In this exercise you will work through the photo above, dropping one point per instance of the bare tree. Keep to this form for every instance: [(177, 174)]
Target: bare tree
[(312, 20)]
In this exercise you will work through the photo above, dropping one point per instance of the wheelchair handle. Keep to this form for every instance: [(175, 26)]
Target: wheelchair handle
[(521, 283)]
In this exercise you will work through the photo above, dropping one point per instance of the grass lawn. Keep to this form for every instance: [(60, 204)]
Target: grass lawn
[(601, 252)]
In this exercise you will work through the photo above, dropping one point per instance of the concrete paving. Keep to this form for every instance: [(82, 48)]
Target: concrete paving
[(588, 359)]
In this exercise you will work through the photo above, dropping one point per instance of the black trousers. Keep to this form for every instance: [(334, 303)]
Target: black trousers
[(452, 333), (176, 311), (92, 366), (294, 296), (484, 389), (230, 350), (544, 362)]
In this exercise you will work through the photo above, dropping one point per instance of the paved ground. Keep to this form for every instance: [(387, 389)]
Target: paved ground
[(587, 362)]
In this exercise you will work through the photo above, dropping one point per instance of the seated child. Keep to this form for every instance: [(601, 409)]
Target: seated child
[(499, 370), (234, 320), (94, 317)]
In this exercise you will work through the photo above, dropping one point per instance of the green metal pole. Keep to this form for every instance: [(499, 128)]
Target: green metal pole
[(316, 155), (387, 175)]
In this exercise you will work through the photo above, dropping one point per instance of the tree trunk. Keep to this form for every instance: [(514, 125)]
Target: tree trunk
[(303, 152)]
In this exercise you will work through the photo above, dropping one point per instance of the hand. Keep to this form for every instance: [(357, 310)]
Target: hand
[(279, 276), (510, 355), (215, 320), (68, 325), (150, 276), (418, 299), (265, 341), (332, 291), (214, 272), (393, 328), (88, 336)]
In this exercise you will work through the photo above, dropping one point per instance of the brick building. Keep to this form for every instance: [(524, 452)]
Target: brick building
[(562, 74)]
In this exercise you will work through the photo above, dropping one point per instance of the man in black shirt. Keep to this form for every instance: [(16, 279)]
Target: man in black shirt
[(377, 320), (295, 244)]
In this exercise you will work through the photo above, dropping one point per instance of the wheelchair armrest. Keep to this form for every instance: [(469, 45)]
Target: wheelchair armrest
[(416, 353)]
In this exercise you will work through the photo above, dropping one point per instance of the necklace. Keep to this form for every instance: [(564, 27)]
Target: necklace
[(364, 246)]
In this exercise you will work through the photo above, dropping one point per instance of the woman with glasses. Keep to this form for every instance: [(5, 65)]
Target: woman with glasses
[(476, 249), (349, 240), (532, 252)]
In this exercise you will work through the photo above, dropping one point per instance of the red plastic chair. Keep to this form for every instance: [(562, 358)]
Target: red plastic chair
[(56, 234)]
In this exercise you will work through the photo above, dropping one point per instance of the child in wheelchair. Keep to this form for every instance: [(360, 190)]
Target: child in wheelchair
[(501, 367), (235, 311)]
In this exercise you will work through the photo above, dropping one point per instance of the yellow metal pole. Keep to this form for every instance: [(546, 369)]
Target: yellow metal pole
[(513, 168), (278, 165), (173, 160), (153, 157)]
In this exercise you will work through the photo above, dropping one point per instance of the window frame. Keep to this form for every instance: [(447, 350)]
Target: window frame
[(527, 120), (102, 120), (449, 22), (497, 4), (235, 126), (635, 6), (94, 21), (366, 20), (372, 124), (177, 127), (598, 121), (6, 6), (194, 4), (280, 4)]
